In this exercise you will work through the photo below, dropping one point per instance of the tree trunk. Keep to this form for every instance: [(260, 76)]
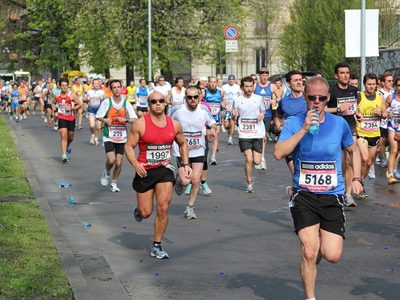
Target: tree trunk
[(130, 74)]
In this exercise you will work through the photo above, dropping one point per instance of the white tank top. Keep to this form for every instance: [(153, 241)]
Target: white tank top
[(177, 99)]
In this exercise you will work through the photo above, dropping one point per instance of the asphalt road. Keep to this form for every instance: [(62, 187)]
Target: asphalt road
[(242, 246)]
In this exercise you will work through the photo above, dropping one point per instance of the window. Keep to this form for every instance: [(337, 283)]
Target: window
[(260, 59)]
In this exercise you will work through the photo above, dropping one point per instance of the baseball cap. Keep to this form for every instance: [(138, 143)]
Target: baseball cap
[(231, 76), (264, 71), (203, 78)]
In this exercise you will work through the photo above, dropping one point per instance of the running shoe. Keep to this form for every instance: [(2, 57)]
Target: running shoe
[(64, 158), (91, 140), (349, 201), (158, 252), (263, 164), (178, 186), (136, 214), (230, 141), (56, 126), (396, 175), (392, 179), (114, 188), (104, 178), (45, 120), (213, 161), (363, 194), (189, 213), (11, 117), (69, 149), (249, 188), (384, 163), (205, 188), (188, 189), (50, 125), (269, 138), (371, 172), (42, 115), (24, 115), (257, 167), (96, 142), (80, 127), (223, 129)]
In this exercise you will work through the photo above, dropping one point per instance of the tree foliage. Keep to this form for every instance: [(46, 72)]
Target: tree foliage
[(314, 38)]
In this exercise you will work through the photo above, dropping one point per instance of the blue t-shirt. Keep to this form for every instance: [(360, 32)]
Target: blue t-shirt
[(289, 106), (317, 158), (266, 94)]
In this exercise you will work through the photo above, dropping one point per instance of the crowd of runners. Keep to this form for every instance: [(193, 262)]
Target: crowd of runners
[(187, 122)]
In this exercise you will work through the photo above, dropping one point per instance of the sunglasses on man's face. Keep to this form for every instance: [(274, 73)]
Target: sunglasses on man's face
[(154, 101), (320, 98), (190, 97), (263, 72)]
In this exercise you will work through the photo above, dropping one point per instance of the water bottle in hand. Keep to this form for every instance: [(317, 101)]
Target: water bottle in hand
[(314, 127)]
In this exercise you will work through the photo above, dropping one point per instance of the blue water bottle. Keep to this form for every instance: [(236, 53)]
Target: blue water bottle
[(314, 128), (71, 200)]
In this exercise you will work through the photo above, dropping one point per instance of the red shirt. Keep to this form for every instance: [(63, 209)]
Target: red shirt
[(65, 111), (155, 146)]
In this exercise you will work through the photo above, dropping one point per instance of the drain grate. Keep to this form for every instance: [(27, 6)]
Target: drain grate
[(15, 199)]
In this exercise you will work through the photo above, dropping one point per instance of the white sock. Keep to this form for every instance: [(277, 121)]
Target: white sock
[(310, 298)]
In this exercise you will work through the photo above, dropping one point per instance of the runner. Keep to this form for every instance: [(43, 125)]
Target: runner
[(177, 94), (250, 110), (37, 96), (68, 105), (87, 87), (15, 106), (23, 93), (193, 118), (155, 134), (372, 108), (77, 89), (266, 90), (215, 98), (231, 91), (343, 102), (131, 89), (115, 113), (318, 189), (47, 99), (94, 98), (141, 94)]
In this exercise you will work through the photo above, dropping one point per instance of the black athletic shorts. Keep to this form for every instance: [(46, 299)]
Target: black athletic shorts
[(384, 132), (154, 176), (70, 125), (309, 209), (372, 142), (47, 106), (197, 159), (118, 148), (252, 144), (36, 98)]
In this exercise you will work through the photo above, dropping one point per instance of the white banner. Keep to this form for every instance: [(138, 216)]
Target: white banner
[(353, 32)]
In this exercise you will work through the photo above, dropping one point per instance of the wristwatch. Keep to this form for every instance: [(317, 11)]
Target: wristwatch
[(338, 109)]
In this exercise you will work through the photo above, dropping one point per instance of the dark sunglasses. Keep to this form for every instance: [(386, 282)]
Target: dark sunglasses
[(154, 101), (313, 98), (263, 72), (190, 97)]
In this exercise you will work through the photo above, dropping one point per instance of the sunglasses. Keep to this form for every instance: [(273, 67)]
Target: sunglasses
[(263, 72), (190, 97), (313, 98), (154, 101)]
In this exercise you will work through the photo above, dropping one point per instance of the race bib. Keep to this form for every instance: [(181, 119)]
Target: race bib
[(395, 121), (158, 154), (143, 100), (65, 109), (319, 176), (15, 99), (229, 105), (95, 101), (193, 139), (215, 109), (248, 125), (267, 102), (370, 123), (117, 133), (353, 106)]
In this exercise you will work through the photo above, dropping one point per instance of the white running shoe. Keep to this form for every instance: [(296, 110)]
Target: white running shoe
[(91, 140), (114, 188), (45, 120), (104, 179), (263, 164), (24, 115), (249, 188), (371, 172), (189, 213), (230, 141)]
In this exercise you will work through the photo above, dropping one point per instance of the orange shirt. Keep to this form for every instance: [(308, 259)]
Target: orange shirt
[(22, 93)]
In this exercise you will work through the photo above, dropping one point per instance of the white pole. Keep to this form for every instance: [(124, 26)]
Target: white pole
[(149, 42), (362, 52)]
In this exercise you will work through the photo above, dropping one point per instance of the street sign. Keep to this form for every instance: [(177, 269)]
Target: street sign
[(231, 46), (231, 32)]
